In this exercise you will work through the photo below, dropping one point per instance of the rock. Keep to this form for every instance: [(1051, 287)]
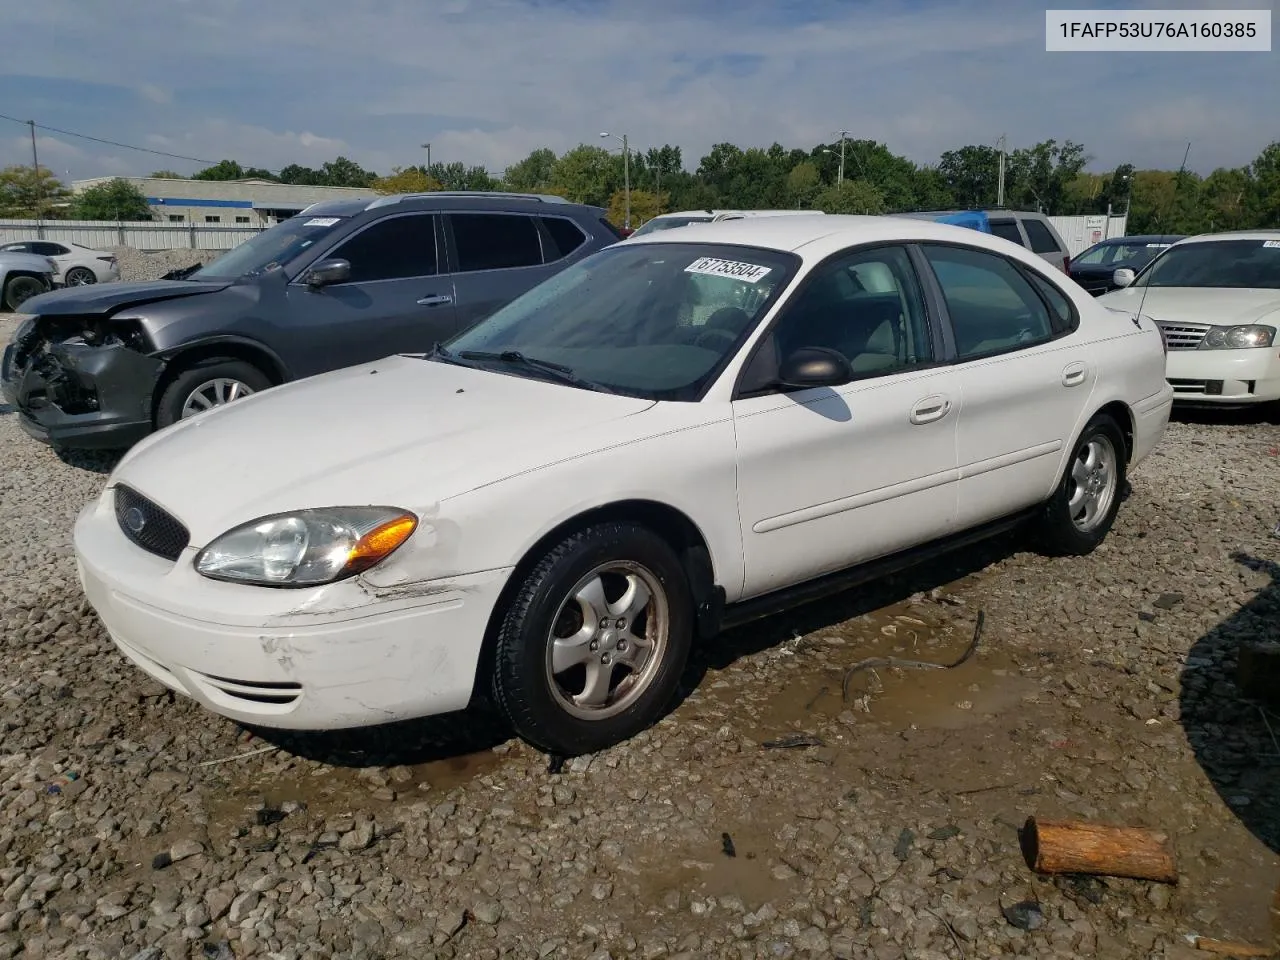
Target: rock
[(185, 849), (487, 912)]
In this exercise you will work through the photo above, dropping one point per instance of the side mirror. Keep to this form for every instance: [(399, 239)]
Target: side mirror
[(328, 271), (815, 367), (1123, 277)]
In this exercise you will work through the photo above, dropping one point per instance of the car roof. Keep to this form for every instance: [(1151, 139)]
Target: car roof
[(451, 200), (990, 212), (817, 235), (1142, 238), (1233, 235)]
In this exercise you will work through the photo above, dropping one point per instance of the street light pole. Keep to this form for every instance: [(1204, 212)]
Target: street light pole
[(428, 147), (840, 176), (35, 165), (626, 175)]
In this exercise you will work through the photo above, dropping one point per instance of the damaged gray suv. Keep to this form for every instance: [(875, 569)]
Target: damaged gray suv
[(342, 283)]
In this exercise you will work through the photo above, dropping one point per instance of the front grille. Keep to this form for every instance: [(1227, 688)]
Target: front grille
[(253, 692), (1184, 336), (149, 525)]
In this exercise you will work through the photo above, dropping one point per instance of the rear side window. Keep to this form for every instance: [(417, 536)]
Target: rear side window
[(396, 248), (494, 241), (1007, 229), (992, 305), (566, 236), (1041, 237)]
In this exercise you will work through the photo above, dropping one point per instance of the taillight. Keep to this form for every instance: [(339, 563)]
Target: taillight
[(110, 260)]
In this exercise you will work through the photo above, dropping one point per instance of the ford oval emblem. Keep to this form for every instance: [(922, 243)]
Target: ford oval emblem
[(134, 519)]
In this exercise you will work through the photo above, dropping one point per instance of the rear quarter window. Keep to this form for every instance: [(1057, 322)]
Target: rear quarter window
[(1008, 229), (1041, 237)]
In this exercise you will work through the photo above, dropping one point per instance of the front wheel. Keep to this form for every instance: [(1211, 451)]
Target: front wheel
[(21, 289), (211, 383), (1082, 510), (591, 648)]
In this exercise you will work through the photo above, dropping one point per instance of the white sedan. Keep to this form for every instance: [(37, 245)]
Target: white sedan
[(1216, 298), (672, 436), (77, 265)]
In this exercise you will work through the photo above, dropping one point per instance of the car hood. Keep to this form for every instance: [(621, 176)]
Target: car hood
[(24, 261), (401, 431), (1223, 306), (111, 297)]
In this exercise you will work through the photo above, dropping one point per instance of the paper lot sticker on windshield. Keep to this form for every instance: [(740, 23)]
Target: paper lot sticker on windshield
[(711, 266), (321, 222)]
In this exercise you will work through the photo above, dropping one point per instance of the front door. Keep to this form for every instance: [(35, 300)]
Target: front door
[(1026, 379), (396, 300), (828, 478)]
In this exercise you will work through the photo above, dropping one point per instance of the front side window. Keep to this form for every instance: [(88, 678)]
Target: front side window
[(1219, 264), (495, 241), (653, 320), (270, 249), (867, 306), (993, 307), (397, 248)]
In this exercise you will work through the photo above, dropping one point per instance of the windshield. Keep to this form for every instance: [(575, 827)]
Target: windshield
[(270, 249), (667, 223), (651, 320), (1217, 264), (1113, 254)]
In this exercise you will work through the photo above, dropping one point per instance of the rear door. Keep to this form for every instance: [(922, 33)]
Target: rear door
[(495, 257), (396, 300)]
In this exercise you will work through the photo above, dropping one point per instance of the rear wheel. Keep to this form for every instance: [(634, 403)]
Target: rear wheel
[(208, 384), (80, 277), (591, 648), (1082, 510), (21, 289)]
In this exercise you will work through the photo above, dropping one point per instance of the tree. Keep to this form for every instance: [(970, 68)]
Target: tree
[(24, 195), (222, 170), (406, 180), (346, 173), (532, 174), (304, 176), (644, 206), (586, 174), (458, 176), (166, 175), (971, 174), (804, 183), (114, 200), (854, 196), (1264, 200)]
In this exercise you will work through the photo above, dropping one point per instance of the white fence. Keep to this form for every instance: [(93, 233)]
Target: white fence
[(144, 235), (1077, 232)]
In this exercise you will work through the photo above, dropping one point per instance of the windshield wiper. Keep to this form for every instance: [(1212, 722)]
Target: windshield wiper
[(557, 370), (439, 352)]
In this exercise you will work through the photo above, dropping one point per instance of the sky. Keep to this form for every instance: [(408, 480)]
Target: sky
[(273, 82)]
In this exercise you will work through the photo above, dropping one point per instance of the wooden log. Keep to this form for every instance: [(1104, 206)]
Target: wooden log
[(1063, 847), (1258, 670), (1224, 948)]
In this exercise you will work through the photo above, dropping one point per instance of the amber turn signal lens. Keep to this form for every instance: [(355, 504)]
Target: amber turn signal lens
[(380, 541)]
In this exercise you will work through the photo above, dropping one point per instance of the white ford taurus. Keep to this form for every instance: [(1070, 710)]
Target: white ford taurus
[(673, 436)]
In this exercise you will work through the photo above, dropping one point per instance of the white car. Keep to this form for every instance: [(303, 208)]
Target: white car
[(681, 432), (1216, 298), (684, 218), (77, 265)]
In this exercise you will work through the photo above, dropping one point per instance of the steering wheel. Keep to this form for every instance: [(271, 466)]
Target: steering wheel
[(711, 334)]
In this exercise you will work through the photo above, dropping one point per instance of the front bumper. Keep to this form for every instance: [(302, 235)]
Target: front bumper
[(1224, 377), (339, 656), (77, 395)]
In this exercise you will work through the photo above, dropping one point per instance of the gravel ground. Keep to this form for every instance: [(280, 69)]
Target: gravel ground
[(135, 825), (136, 265)]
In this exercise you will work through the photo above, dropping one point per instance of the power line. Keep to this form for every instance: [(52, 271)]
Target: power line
[(112, 143)]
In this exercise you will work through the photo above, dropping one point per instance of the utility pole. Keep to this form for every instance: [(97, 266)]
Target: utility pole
[(626, 175), (428, 148), (840, 175), (1000, 180), (35, 164)]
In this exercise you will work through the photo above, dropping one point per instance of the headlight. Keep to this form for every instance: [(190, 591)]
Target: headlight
[(1238, 338), (306, 548)]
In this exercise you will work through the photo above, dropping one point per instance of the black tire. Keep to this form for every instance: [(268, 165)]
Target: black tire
[(21, 289), (1058, 532), (169, 409), (79, 277), (523, 685)]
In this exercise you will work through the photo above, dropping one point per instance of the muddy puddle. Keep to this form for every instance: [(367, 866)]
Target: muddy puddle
[(893, 667)]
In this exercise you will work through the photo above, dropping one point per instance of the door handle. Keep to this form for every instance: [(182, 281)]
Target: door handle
[(1074, 374), (435, 300), (930, 409)]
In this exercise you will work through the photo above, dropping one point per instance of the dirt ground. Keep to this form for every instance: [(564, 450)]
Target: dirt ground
[(133, 824)]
